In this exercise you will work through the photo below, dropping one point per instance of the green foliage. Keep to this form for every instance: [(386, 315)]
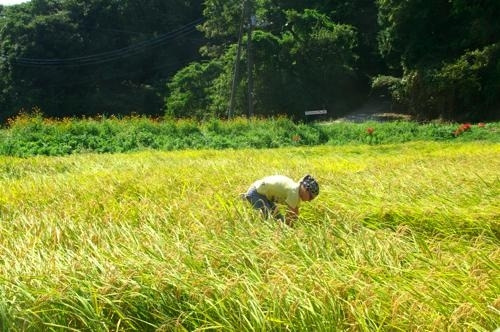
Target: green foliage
[(221, 24), (92, 57), (447, 56), (415, 33), (115, 57), (29, 135), (462, 89), (201, 90), (190, 91), (319, 62), (310, 62)]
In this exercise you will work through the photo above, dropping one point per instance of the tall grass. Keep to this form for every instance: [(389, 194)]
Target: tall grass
[(403, 237), (29, 135)]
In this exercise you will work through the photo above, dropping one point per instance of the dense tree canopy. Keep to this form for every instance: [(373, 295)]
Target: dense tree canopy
[(305, 55), (193, 58), (446, 54), (73, 57)]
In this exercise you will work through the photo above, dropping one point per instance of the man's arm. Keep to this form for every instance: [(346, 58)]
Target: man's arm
[(291, 215)]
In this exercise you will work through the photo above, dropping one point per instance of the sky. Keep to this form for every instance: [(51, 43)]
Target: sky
[(11, 2)]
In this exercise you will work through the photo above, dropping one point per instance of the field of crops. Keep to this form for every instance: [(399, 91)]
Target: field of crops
[(403, 237)]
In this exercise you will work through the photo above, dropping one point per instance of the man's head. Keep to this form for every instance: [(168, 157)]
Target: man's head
[(310, 186)]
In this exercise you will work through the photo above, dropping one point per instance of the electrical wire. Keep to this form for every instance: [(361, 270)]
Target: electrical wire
[(113, 55), (89, 79)]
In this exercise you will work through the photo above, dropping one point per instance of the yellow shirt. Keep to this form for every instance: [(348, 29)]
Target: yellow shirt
[(279, 189)]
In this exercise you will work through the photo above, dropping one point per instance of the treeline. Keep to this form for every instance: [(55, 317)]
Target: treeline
[(220, 58), (73, 58)]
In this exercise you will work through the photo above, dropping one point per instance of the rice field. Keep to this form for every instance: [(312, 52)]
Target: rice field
[(403, 237)]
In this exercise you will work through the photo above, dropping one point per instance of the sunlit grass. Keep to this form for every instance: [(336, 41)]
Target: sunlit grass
[(32, 134), (402, 237)]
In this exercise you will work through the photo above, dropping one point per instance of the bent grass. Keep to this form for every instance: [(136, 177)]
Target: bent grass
[(402, 237)]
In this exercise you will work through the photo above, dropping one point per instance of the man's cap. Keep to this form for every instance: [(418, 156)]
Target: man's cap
[(310, 184)]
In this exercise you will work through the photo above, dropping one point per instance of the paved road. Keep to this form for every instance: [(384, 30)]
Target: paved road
[(374, 110)]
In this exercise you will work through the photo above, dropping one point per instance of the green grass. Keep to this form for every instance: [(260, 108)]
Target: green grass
[(403, 237), (30, 135)]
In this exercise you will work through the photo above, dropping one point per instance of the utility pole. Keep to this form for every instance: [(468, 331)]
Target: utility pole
[(237, 63), (251, 23)]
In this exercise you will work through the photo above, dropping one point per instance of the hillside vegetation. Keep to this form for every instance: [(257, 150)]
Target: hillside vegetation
[(217, 59), (402, 237)]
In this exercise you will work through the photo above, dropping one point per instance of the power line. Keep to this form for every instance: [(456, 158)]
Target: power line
[(91, 79), (113, 55)]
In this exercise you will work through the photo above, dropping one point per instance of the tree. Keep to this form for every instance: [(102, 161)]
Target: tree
[(446, 55), (302, 58), (74, 57), (190, 90), (311, 64)]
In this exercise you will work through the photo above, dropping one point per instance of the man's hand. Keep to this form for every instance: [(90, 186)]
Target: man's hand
[(291, 216)]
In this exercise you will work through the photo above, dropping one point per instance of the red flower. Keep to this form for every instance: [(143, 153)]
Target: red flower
[(370, 130), (462, 128), (466, 126)]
